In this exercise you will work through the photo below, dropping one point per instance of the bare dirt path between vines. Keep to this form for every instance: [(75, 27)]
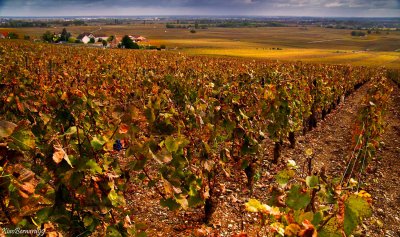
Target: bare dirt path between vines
[(331, 141)]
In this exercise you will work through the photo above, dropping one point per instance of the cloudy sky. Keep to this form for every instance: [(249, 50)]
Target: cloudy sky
[(349, 8)]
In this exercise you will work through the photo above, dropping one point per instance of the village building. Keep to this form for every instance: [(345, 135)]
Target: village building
[(99, 37), (86, 36), (137, 38)]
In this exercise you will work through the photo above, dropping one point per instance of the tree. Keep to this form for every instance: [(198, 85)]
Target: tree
[(104, 43), (128, 43), (92, 40), (111, 38), (12, 35), (65, 35), (71, 40), (357, 33), (47, 36)]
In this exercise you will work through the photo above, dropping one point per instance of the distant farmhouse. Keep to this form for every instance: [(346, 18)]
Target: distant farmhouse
[(2, 36), (85, 37), (137, 38), (116, 40)]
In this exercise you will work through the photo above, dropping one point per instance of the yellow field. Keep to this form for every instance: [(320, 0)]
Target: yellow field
[(310, 44), (366, 58)]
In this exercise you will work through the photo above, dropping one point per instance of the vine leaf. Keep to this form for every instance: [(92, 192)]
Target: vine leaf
[(72, 130), (298, 198), (283, 177), (292, 229), (331, 229), (97, 143), (123, 128), (93, 167), (312, 181), (173, 144), (59, 155), (170, 203), (253, 205), (356, 208), (309, 230), (6, 128), (22, 137)]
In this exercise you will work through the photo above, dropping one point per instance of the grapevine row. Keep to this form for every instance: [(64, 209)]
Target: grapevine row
[(188, 118)]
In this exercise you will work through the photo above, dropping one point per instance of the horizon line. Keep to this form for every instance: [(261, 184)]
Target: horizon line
[(200, 15)]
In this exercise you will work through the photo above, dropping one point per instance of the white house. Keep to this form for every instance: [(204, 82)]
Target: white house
[(85, 37), (99, 37)]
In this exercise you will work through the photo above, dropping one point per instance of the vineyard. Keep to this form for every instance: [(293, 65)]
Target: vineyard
[(85, 134)]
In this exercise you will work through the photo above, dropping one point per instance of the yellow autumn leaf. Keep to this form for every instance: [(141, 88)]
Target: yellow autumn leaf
[(309, 152), (292, 230)]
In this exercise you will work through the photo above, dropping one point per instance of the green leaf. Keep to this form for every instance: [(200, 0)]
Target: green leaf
[(141, 234), (87, 221), (300, 216), (43, 215), (359, 205), (284, 176), (356, 208), (149, 113), (318, 217), (72, 130), (331, 229), (97, 143), (113, 232), (6, 128), (298, 198), (113, 196), (312, 181), (76, 179), (93, 167), (195, 200), (170, 203), (173, 144), (138, 164), (23, 138)]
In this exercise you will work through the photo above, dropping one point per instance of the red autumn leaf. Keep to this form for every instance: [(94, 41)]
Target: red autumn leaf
[(123, 128), (309, 230)]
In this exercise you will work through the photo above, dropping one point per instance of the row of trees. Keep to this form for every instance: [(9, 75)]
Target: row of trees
[(66, 36), (357, 33), (55, 38), (127, 43)]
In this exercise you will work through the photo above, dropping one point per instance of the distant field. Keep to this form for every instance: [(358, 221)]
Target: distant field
[(310, 44)]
